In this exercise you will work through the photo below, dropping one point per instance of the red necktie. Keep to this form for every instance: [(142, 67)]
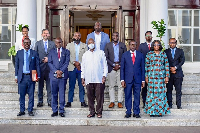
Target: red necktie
[(133, 58), (149, 46), (58, 53)]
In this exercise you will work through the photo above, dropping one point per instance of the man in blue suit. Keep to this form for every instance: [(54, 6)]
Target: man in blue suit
[(100, 38), (132, 75), (26, 60), (58, 61)]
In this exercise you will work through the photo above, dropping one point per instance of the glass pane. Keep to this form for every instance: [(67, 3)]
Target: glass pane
[(196, 53), (172, 33), (187, 52), (55, 20), (127, 44), (128, 21), (4, 50), (14, 15), (196, 38), (5, 32), (128, 33), (56, 32), (184, 17), (172, 20), (184, 36), (5, 15)]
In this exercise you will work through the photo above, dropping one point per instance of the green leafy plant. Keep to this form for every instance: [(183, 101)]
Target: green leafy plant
[(12, 51), (160, 26), (19, 28)]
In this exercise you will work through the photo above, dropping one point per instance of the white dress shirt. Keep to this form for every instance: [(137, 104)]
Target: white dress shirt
[(18, 44), (94, 66), (97, 40), (44, 43), (133, 52)]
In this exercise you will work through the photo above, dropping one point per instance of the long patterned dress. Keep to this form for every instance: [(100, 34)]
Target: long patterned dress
[(157, 68)]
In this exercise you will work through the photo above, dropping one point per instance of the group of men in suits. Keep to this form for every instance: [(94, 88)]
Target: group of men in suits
[(126, 69)]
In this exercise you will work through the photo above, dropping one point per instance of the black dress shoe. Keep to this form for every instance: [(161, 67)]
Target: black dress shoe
[(21, 113), (179, 107), (49, 104), (39, 104), (136, 116), (68, 104), (30, 113), (54, 114), (152, 115), (127, 116), (62, 114), (83, 104)]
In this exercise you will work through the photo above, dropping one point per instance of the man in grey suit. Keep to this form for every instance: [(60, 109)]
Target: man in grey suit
[(43, 47), (113, 52), (77, 49)]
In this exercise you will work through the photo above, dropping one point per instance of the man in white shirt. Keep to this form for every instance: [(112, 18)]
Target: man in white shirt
[(19, 42), (94, 71)]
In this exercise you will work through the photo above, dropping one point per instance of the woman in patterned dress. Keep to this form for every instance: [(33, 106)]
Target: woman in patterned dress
[(157, 75)]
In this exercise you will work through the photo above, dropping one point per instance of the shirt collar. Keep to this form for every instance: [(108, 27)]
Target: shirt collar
[(45, 41), (77, 44), (25, 51), (133, 52), (173, 48), (97, 34), (60, 49), (114, 43)]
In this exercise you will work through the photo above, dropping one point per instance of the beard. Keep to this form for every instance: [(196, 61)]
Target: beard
[(77, 41), (98, 30)]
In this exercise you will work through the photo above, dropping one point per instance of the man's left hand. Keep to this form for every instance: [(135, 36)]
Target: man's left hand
[(37, 79), (103, 79), (45, 60), (143, 84)]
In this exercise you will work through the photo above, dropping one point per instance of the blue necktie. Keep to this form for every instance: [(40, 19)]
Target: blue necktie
[(27, 62), (45, 46), (173, 53)]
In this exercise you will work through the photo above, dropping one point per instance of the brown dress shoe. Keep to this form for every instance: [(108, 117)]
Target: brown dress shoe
[(120, 105), (111, 105)]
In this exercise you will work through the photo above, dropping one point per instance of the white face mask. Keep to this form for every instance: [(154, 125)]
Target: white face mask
[(91, 46)]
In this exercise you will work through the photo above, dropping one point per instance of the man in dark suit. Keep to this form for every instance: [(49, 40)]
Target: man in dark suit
[(176, 60), (26, 60), (58, 61), (43, 47), (113, 52), (145, 48), (132, 75)]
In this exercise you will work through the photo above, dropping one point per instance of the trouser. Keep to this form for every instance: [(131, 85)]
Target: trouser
[(114, 79), (144, 93), (95, 90)]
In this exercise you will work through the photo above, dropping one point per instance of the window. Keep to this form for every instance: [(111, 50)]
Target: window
[(7, 30), (184, 25)]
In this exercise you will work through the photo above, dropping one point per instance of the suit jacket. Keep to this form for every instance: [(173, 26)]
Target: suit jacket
[(130, 72), (39, 47), (33, 63), (178, 61), (55, 64), (71, 48), (104, 39), (109, 53), (143, 48)]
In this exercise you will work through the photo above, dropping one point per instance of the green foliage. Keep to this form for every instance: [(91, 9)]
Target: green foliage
[(19, 28), (160, 26), (12, 51)]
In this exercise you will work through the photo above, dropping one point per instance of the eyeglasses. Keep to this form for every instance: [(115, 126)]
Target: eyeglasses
[(26, 42), (172, 42), (156, 45), (148, 35)]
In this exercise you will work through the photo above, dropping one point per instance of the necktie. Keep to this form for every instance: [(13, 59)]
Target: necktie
[(149, 45), (45, 46), (27, 61), (133, 58), (59, 54), (173, 53)]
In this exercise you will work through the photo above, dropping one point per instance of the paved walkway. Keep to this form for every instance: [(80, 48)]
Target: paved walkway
[(93, 129)]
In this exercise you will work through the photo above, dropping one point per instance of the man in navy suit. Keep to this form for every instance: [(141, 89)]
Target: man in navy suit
[(132, 76), (58, 61), (145, 48), (26, 60), (176, 59), (43, 47), (100, 38)]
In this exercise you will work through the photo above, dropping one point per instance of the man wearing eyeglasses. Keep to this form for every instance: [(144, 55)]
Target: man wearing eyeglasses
[(176, 59), (144, 48)]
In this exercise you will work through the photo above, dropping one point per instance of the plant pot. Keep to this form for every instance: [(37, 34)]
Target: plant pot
[(13, 60)]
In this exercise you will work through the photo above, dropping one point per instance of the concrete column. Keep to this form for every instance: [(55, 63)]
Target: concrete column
[(41, 17), (153, 10), (27, 14)]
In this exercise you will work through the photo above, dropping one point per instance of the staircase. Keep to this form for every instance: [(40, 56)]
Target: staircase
[(9, 107)]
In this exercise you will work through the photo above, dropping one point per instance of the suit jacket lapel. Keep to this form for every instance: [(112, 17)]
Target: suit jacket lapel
[(130, 58), (42, 46), (49, 46), (30, 56), (176, 52)]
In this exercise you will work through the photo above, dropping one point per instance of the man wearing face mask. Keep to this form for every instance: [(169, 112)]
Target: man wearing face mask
[(94, 70), (100, 38), (77, 49)]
